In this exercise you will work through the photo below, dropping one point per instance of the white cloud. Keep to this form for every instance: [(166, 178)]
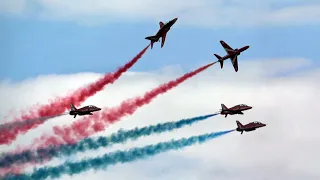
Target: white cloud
[(286, 149), (205, 13), (303, 14), (13, 6)]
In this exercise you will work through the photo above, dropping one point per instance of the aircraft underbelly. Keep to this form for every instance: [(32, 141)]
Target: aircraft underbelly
[(83, 113), (161, 32), (228, 112), (251, 129), (231, 112)]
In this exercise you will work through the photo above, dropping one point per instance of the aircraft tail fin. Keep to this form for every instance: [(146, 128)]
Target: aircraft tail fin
[(219, 58), (161, 24), (72, 108), (239, 124), (224, 107)]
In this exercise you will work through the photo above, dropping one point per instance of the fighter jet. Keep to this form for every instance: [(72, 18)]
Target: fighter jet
[(234, 110), (232, 54), (162, 33), (249, 127), (87, 110)]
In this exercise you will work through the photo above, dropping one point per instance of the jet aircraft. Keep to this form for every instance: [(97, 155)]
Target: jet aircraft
[(232, 54), (249, 127), (162, 33), (234, 110), (87, 110)]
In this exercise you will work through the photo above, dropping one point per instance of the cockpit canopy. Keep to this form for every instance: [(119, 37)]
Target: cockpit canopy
[(257, 122), (92, 106), (243, 105)]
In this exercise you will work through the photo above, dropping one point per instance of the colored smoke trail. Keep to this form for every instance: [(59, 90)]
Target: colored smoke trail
[(45, 154), (72, 168), (20, 124), (98, 122), (60, 105)]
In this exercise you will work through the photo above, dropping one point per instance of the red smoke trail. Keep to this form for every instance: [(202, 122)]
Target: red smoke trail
[(60, 105), (97, 122), (10, 170)]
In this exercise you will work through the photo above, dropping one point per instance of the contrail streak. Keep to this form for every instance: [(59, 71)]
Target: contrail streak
[(133, 154), (45, 154)]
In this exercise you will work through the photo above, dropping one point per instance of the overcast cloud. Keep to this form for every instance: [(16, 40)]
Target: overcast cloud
[(287, 148)]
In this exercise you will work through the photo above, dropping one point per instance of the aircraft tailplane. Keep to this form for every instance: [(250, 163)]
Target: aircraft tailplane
[(221, 64), (219, 58), (153, 39)]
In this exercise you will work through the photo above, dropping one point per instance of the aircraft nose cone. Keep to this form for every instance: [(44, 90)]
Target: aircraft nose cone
[(175, 19), (247, 47)]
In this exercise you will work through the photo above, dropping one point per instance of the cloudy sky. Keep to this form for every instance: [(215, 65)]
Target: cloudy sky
[(48, 48)]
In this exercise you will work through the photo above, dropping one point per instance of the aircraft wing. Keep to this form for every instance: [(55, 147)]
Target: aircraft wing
[(163, 39), (226, 47), (234, 60)]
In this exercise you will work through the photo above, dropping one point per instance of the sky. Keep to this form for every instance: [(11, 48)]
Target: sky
[(48, 48), (54, 37)]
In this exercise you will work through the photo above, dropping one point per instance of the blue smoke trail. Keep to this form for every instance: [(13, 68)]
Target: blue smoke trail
[(43, 154), (108, 159)]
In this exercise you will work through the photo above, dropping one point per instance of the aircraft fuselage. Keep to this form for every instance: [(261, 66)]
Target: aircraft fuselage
[(245, 129), (84, 111), (235, 110), (249, 127), (235, 52), (231, 112), (166, 27)]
